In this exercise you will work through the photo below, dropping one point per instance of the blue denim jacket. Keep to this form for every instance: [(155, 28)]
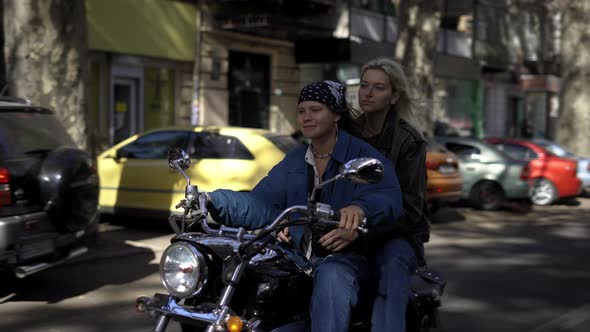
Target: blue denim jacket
[(286, 185)]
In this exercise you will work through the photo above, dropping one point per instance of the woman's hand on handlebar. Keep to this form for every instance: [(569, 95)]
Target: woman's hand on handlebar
[(338, 239), (283, 235), (351, 217)]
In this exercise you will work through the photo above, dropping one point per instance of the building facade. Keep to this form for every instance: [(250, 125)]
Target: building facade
[(203, 62), (242, 63), (256, 55), (497, 68), (141, 65)]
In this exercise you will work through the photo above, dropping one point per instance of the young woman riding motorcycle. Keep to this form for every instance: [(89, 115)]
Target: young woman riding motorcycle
[(338, 261)]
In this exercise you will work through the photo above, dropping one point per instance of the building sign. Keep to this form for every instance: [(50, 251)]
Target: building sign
[(250, 20), (540, 83)]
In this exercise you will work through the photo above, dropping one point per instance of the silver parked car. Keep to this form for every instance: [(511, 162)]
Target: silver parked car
[(560, 151), (490, 177)]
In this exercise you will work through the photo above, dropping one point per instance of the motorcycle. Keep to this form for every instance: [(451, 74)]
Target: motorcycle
[(231, 279)]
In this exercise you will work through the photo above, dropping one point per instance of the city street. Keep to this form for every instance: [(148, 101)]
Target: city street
[(520, 269), (131, 107), (514, 271)]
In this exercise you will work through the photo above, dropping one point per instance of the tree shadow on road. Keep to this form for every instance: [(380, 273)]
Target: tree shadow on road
[(447, 214), (111, 262), (512, 272), (141, 227)]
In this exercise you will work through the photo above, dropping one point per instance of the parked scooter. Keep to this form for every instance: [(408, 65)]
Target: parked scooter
[(231, 279)]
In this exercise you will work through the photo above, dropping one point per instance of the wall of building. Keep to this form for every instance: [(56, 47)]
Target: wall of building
[(213, 77)]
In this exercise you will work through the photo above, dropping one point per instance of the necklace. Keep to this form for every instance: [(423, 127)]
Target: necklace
[(320, 156)]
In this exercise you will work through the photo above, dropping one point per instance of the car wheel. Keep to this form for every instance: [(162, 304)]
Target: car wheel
[(488, 195), (69, 190), (434, 207), (543, 192)]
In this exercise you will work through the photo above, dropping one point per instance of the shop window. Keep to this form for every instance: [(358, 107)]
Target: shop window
[(158, 97)]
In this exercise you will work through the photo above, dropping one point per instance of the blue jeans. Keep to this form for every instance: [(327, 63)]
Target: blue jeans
[(392, 264), (337, 280)]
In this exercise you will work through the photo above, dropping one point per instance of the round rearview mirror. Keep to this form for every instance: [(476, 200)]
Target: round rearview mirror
[(363, 170), (177, 156)]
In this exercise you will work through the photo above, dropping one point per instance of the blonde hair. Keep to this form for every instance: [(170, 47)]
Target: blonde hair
[(404, 107)]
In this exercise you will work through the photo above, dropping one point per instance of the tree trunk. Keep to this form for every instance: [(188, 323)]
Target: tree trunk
[(416, 48), (3, 80), (574, 120), (46, 58)]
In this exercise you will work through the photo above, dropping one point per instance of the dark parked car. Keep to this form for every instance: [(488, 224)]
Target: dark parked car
[(552, 177), (490, 177), (48, 191)]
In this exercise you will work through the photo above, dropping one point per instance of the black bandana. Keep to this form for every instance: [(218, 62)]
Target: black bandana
[(329, 93)]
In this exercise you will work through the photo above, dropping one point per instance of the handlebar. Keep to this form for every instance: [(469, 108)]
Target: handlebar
[(326, 216), (335, 220), (336, 215)]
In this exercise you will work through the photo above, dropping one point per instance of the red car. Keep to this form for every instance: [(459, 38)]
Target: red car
[(551, 177)]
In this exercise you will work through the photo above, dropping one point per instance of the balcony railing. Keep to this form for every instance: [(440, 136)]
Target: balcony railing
[(454, 43), (373, 26)]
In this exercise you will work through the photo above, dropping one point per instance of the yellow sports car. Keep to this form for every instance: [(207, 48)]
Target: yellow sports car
[(135, 177)]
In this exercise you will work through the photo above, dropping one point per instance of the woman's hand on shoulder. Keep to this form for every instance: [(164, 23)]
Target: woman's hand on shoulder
[(351, 217)]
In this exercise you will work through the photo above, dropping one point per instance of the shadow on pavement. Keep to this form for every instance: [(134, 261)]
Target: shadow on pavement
[(568, 201), (512, 272), (110, 262), (447, 214), (147, 226)]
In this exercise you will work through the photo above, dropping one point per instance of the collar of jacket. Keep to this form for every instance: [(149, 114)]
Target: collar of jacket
[(385, 140), (341, 146)]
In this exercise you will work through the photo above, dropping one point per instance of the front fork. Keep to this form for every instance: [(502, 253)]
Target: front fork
[(161, 323), (222, 306), (228, 292)]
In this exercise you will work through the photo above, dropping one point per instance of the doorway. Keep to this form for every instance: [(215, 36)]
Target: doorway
[(249, 89), (517, 121), (125, 109)]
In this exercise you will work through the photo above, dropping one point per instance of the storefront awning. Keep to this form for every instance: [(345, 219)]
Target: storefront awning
[(157, 28)]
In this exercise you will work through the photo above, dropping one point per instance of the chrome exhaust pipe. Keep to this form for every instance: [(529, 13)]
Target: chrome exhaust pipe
[(26, 270)]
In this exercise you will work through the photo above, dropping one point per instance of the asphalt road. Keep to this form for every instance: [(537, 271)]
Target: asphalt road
[(520, 269)]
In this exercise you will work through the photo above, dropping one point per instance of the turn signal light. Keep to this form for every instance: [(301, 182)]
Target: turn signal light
[(432, 165), (234, 324), (4, 177), (5, 194)]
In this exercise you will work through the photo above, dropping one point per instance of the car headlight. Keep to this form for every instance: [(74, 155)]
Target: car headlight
[(183, 270)]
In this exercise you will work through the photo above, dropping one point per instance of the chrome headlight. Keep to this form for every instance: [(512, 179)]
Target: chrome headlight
[(183, 270)]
